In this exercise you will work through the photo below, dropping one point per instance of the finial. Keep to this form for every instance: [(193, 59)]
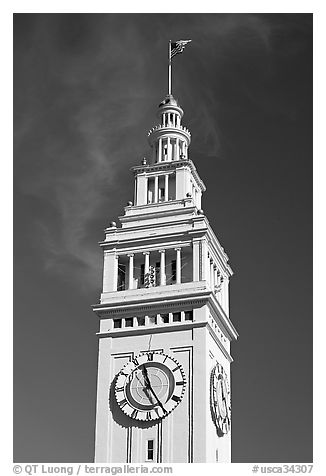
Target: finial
[(113, 224), (144, 161), (129, 204)]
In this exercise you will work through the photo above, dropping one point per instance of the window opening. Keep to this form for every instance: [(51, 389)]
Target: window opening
[(129, 322), (141, 321), (177, 317), (142, 274), (161, 194), (121, 277), (165, 318), (152, 319), (157, 273), (189, 316), (174, 270), (150, 450)]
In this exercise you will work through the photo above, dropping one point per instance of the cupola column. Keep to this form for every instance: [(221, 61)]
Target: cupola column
[(166, 188), (159, 158), (178, 266), (162, 268), (168, 149), (131, 270), (156, 189)]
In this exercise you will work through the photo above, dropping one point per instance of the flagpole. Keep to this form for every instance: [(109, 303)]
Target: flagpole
[(170, 68)]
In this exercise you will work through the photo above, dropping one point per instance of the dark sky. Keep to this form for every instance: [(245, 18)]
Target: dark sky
[(86, 91)]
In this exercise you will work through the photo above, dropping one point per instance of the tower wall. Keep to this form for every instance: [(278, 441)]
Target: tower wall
[(164, 338)]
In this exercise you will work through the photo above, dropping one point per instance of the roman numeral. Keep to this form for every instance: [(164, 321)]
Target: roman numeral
[(179, 383), (148, 416), (177, 368), (135, 361), (119, 389), (150, 357), (176, 399), (134, 414), (123, 403)]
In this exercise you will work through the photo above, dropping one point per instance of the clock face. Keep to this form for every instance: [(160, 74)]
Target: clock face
[(220, 399), (150, 386)]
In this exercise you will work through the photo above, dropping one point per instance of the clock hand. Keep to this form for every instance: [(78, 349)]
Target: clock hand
[(225, 401), (148, 384)]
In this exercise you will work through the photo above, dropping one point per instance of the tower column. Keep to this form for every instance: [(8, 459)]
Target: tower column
[(211, 273), (159, 158), (141, 188), (131, 271), (166, 188), (215, 277), (168, 149), (222, 292), (204, 263), (162, 268), (146, 268), (110, 272), (226, 295), (178, 263), (196, 261), (218, 294)]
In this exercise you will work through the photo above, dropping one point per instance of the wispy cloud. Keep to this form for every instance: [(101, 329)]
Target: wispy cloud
[(83, 95)]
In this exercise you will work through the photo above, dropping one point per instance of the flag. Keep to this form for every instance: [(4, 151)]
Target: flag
[(178, 47)]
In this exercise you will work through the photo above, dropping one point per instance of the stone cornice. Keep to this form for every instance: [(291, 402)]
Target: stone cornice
[(216, 246), (221, 318), (167, 298), (149, 248), (159, 329), (176, 237), (156, 213), (219, 344)]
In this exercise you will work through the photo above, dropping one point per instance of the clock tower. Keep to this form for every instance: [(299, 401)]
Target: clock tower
[(163, 391)]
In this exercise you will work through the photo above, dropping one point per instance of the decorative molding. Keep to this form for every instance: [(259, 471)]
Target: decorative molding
[(219, 344), (155, 329)]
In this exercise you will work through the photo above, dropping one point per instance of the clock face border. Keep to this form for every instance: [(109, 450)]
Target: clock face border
[(163, 363), (220, 399)]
